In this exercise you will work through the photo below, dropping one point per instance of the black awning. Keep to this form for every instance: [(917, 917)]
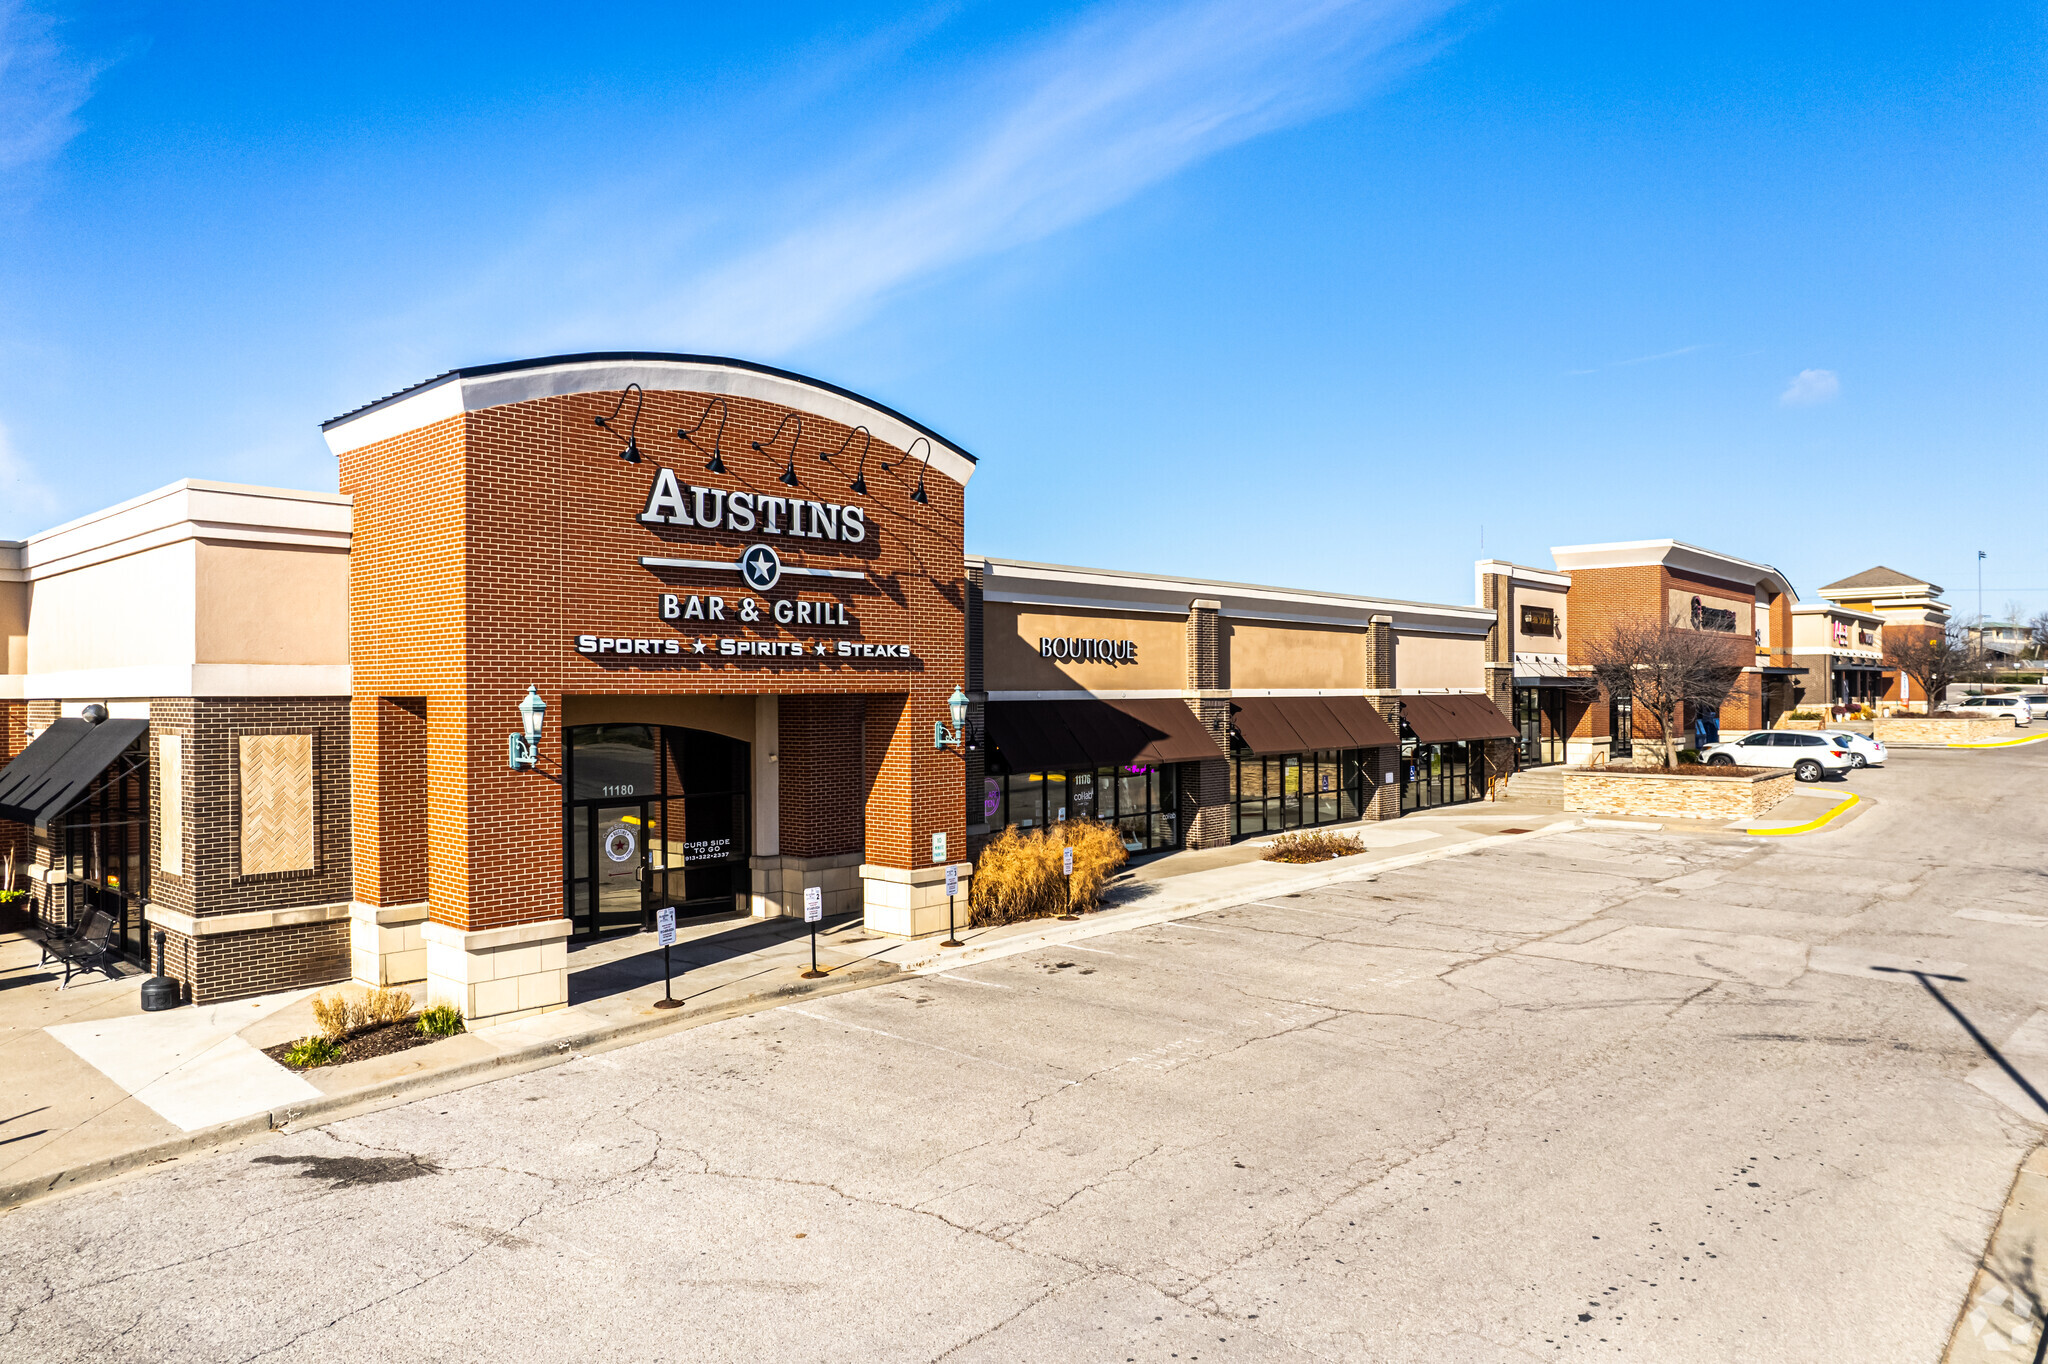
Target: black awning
[(54, 773), (1303, 724), (1048, 736)]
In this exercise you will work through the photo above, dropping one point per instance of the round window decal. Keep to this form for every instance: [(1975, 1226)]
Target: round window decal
[(619, 844)]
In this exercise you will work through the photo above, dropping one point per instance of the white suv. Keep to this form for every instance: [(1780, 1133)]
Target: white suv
[(1810, 756), (2013, 708)]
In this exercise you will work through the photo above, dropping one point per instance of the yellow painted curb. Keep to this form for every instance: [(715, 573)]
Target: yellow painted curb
[(1809, 827), (2006, 743)]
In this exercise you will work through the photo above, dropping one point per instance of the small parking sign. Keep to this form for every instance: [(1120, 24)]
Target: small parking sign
[(814, 904), (1067, 859), (665, 925), (952, 881)]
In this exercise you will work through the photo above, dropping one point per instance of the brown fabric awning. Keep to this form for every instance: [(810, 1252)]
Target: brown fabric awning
[(1442, 719), (1302, 724), (1046, 736)]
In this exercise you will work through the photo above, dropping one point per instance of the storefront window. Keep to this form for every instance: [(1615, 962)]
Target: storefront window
[(1438, 774), (105, 842), (1141, 800), (1270, 793)]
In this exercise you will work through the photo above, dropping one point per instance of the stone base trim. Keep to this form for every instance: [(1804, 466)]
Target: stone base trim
[(911, 904), (249, 921), (778, 884), (384, 944), (497, 975)]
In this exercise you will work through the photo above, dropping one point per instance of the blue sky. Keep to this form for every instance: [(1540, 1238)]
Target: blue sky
[(1295, 291)]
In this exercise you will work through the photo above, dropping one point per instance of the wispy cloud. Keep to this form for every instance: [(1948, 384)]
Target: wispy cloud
[(41, 88), (26, 502), (1811, 387), (1040, 141), (1647, 359)]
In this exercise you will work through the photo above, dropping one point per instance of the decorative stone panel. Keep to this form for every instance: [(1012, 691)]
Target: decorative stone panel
[(277, 803)]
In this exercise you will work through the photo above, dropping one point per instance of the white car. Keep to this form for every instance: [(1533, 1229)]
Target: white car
[(1810, 755), (1864, 750), (2011, 708)]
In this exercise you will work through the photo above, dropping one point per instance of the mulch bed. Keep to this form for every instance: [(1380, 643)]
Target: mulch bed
[(379, 1039)]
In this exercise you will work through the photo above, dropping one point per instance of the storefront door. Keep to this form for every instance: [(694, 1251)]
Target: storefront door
[(620, 860)]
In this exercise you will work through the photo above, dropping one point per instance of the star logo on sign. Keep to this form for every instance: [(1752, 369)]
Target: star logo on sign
[(761, 568), (698, 647), (821, 651)]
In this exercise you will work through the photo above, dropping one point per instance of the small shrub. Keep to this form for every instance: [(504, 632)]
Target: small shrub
[(334, 1015), (440, 1020), (1690, 757), (308, 1052), (1802, 715), (1309, 845), (386, 1006), (1018, 875), (8, 897)]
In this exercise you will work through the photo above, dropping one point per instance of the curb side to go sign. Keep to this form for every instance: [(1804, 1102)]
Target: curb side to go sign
[(1067, 860), (665, 925), (814, 904)]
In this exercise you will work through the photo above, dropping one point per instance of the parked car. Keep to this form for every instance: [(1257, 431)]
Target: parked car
[(1864, 750), (2037, 701), (2008, 707), (1810, 756)]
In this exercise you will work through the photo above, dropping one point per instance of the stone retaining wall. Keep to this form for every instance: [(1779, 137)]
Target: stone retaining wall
[(1906, 730), (1619, 791)]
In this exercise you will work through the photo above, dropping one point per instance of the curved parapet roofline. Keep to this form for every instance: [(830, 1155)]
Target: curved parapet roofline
[(485, 386)]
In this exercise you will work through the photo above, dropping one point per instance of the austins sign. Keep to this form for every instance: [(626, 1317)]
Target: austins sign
[(670, 502)]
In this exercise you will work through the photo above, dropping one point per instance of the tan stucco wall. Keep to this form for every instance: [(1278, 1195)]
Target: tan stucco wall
[(1678, 601), (13, 627), (128, 612), (1539, 644), (1817, 632), (1439, 662), (1262, 656), (1011, 661), (271, 605), (732, 716)]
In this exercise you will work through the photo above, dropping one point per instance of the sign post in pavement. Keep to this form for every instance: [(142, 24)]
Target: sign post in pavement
[(952, 889), (1067, 869), (814, 910), (665, 929)]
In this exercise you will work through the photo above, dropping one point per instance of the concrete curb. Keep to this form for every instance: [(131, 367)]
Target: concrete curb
[(329, 1107), (1841, 808)]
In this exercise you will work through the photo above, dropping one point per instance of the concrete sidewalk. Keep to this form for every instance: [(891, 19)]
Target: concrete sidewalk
[(90, 1086)]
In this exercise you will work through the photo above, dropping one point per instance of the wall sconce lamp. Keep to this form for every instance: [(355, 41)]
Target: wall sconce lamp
[(919, 494), (631, 454), (523, 750), (789, 470), (859, 484), (956, 705), (717, 465)]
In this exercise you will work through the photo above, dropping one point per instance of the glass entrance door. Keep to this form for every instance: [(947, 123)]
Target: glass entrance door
[(620, 860)]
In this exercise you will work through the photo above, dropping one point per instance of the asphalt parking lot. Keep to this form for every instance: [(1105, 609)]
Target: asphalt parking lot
[(1598, 1094)]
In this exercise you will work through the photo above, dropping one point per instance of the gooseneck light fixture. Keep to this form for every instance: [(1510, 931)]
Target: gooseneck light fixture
[(859, 484), (789, 470), (522, 750), (716, 464), (919, 494), (631, 454), (956, 706)]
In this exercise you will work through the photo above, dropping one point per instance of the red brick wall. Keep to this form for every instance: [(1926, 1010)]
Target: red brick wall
[(821, 775), (390, 739), (485, 543)]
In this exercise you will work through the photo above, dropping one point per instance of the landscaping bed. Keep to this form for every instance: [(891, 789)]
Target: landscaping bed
[(379, 1039), (1312, 846)]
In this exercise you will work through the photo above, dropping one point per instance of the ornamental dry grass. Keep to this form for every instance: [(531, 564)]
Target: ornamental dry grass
[(1309, 845), (337, 1015), (1018, 875)]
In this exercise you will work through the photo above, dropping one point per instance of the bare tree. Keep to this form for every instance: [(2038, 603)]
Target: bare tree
[(2037, 630), (1933, 656), (1665, 666)]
